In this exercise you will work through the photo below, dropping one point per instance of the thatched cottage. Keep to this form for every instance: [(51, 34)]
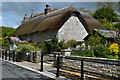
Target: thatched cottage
[(65, 24)]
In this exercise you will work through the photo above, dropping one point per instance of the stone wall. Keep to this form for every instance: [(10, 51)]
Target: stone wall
[(33, 56), (90, 64)]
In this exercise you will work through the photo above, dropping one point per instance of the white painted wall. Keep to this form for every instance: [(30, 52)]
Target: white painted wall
[(72, 30), (40, 36)]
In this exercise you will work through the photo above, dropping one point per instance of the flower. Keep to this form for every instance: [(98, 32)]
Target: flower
[(114, 48)]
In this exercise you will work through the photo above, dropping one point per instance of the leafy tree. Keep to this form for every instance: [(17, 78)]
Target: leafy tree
[(108, 25), (6, 33), (94, 39), (114, 5), (106, 13)]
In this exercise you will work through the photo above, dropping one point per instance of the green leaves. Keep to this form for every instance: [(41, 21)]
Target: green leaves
[(106, 13), (25, 48), (6, 33), (71, 43), (94, 39), (53, 45)]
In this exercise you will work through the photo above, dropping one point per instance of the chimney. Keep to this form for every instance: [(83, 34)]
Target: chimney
[(47, 9), (32, 15), (24, 19)]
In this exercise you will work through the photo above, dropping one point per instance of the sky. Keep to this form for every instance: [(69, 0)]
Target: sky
[(13, 12)]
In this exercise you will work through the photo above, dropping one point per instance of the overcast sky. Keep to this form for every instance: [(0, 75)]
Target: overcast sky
[(13, 12)]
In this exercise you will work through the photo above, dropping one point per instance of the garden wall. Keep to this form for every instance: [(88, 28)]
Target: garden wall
[(94, 65)]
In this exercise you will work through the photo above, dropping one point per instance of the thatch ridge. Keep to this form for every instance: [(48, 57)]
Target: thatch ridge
[(55, 20)]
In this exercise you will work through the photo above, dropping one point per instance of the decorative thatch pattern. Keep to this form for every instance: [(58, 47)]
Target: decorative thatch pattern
[(55, 20)]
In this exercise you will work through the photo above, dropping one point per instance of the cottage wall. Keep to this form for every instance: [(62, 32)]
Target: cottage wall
[(40, 36), (24, 37), (72, 30)]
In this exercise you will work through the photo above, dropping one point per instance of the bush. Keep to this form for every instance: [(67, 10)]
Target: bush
[(110, 56), (114, 50), (101, 51), (82, 52), (79, 52), (53, 45), (71, 44), (94, 39), (26, 48), (89, 53), (22, 49)]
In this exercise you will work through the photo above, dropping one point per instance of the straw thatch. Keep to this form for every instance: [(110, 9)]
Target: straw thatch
[(55, 20)]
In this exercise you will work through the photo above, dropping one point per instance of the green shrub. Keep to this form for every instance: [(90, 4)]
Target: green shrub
[(53, 45), (71, 43), (110, 56), (79, 52), (22, 49), (101, 51), (89, 53), (26, 48)]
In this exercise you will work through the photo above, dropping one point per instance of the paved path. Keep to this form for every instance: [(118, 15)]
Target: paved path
[(13, 72), (36, 66)]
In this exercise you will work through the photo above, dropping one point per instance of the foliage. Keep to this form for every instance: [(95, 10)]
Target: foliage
[(23, 48), (108, 25), (117, 26), (114, 5), (89, 53), (94, 39), (101, 51), (83, 52), (6, 33), (111, 57), (98, 51), (53, 45), (106, 13), (71, 44), (114, 48), (5, 42), (79, 52), (31, 44)]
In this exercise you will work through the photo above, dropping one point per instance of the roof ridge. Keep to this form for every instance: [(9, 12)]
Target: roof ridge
[(68, 8), (59, 11)]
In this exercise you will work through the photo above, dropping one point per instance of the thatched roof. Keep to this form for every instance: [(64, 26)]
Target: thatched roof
[(55, 20)]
